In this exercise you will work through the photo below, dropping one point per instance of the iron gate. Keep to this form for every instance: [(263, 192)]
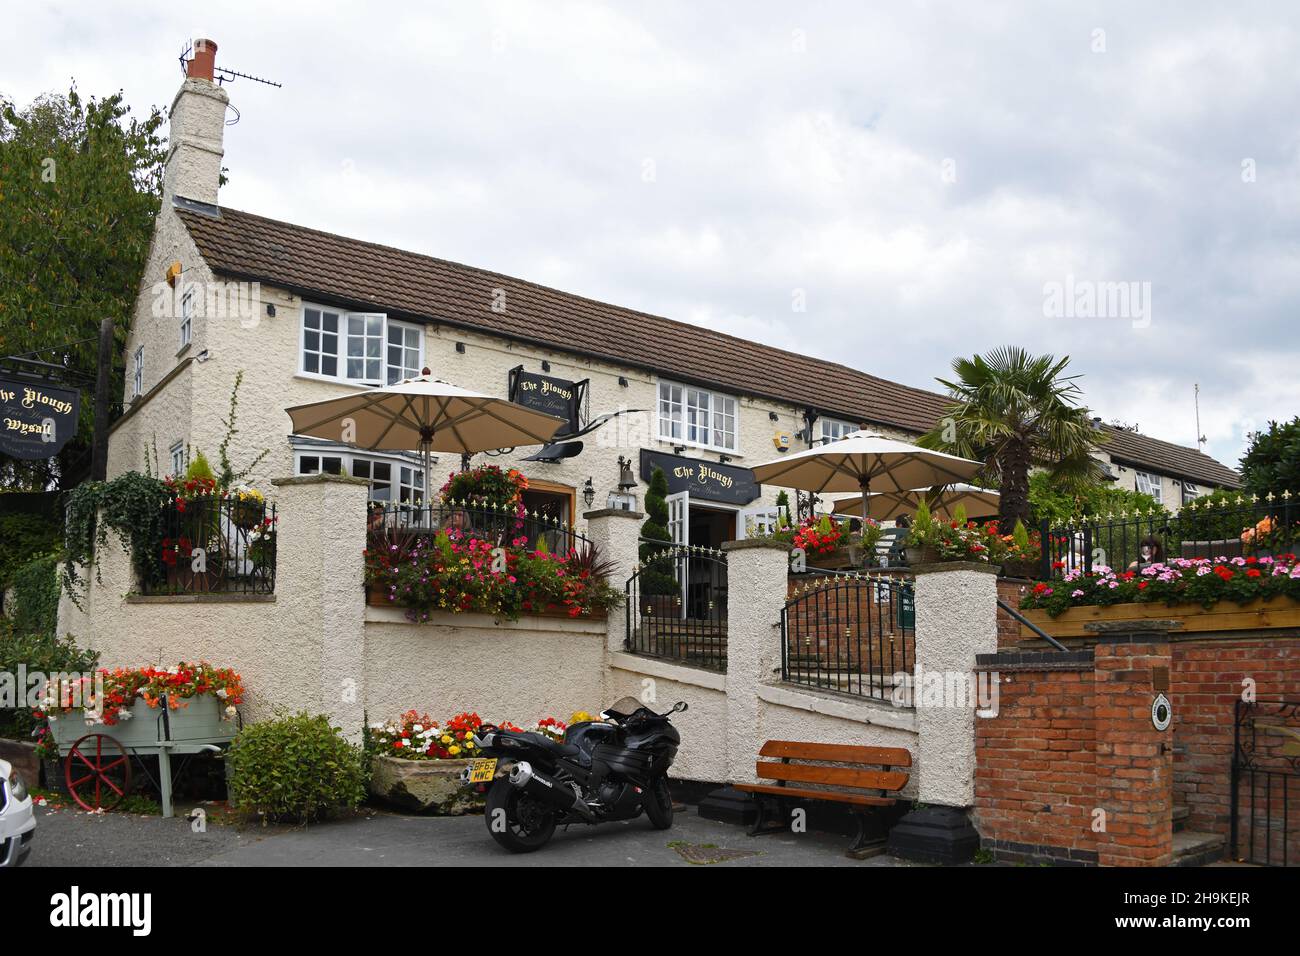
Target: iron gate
[(1265, 778), (677, 606)]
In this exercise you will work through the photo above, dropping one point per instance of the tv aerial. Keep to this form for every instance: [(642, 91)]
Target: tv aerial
[(223, 75)]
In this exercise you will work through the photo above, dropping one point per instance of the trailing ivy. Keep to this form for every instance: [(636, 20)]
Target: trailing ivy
[(132, 505)]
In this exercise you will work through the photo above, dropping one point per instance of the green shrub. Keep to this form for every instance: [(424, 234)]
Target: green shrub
[(659, 575), (26, 537), (37, 652), (296, 768), (36, 597)]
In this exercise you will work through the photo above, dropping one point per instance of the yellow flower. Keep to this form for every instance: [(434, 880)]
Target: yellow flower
[(446, 738), (453, 750)]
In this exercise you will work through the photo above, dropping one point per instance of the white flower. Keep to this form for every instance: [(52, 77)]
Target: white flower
[(418, 728), (230, 712), (221, 692)]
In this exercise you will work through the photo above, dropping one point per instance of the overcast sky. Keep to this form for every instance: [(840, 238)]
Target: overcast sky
[(924, 178)]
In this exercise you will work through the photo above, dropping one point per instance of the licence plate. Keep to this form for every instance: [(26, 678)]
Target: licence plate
[(482, 771)]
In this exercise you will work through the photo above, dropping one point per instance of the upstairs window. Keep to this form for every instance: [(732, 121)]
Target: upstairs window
[(1150, 484), (366, 348), (137, 375), (1190, 492), (695, 416), (187, 317), (833, 429)]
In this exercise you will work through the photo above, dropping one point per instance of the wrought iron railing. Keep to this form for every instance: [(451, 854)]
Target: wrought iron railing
[(500, 525), (853, 633), (1244, 527), (214, 545), (1265, 782), (676, 605)]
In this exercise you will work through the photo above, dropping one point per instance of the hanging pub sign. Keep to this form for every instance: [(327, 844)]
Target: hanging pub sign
[(36, 420), (705, 480), (554, 396)]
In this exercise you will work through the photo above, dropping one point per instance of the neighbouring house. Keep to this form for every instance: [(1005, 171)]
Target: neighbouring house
[(1172, 474)]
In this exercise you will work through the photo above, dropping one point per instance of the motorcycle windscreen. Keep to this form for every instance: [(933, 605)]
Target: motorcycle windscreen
[(624, 707)]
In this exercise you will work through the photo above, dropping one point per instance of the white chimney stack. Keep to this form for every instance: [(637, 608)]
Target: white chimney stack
[(197, 127)]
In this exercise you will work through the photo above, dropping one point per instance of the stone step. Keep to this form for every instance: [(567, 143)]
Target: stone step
[(1181, 813), (1198, 849)]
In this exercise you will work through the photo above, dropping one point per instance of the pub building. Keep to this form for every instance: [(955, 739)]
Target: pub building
[(306, 315)]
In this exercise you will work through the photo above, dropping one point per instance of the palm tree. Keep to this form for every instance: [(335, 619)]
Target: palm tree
[(1015, 412)]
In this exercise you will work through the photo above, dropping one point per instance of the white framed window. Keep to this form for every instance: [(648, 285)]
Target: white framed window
[(1190, 492), (177, 453), (1150, 484), (187, 317), (391, 482), (833, 429), (696, 416), (366, 348), (137, 374)]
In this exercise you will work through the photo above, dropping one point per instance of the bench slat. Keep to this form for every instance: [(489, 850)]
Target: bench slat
[(861, 800), (838, 753), (834, 776)]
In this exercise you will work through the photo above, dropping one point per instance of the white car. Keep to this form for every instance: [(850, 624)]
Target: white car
[(17, 822)]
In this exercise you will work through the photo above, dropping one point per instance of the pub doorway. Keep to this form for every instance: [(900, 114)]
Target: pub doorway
[(550, 508)]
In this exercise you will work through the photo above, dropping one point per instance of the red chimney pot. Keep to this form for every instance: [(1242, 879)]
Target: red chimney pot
[(202, 65)]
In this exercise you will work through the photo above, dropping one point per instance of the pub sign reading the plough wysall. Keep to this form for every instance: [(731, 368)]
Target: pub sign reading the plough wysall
[(36, 420)]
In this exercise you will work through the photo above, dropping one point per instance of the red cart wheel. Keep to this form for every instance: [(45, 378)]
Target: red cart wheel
[(97, 771)]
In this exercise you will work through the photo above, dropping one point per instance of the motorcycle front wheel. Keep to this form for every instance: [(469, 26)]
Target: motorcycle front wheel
[(517, 821), (658, 803)]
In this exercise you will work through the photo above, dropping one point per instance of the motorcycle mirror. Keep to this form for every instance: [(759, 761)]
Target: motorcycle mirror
[(679, 707)]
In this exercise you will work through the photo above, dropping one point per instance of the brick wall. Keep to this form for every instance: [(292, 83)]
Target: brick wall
[(1035, 773), (1009, 592), (1070, 770)]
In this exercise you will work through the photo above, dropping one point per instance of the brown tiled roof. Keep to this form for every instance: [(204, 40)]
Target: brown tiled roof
[(1166, 458), (342, 270), (348, 270)]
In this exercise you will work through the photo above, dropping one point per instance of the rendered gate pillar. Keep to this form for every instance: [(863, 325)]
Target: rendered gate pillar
[(956, 619), (320, 567), (757, 580), (616, 535)]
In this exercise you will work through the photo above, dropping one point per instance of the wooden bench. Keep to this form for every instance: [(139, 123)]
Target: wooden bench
[(862, 777)]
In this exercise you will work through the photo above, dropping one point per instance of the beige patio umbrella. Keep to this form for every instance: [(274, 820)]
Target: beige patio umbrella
[(427, 414), (864, 462), (943, 500)]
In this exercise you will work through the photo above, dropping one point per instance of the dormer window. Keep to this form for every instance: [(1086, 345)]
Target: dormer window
[(364, 348)]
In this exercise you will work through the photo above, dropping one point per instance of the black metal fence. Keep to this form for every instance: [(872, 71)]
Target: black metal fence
[(1265, 779), (1243, 527), (211, 545), (853, 633), (497, 524), (677, 606)]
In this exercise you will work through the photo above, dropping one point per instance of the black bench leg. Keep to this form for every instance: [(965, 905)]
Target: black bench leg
[(761, 826), (869, 840)]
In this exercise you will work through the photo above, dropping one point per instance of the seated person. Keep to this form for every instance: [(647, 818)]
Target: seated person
[(1150, 552)]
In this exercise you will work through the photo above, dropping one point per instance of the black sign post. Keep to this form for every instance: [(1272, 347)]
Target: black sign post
[(554, 396), (705, 480), (36, 419)]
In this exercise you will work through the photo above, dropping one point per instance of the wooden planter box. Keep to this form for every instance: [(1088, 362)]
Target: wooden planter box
[(199, 722), (375, 598), (424, 786), (1224, 616)]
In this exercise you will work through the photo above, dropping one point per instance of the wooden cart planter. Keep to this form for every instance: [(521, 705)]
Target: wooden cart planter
[(97, 758), (1224, 616)]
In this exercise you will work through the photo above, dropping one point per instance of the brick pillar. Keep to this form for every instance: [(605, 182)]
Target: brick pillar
[(615, 535), (757, 574), (1135, 761), (320, 568)]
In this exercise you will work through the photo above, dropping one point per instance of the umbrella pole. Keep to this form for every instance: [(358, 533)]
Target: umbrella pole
[(864, 483), (426, 461)]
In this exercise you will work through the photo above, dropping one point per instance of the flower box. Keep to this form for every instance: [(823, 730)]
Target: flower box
[(1280, 611), (196, 720), (424, 786)]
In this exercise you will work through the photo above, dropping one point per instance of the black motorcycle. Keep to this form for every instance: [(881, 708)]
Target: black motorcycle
[(604, 770)]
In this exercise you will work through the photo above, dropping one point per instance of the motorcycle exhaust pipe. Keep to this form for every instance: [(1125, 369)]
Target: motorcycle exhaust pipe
[(543, 788)]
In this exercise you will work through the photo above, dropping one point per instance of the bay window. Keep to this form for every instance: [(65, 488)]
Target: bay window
[(696, 416), (391, 481), (366, 348)]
